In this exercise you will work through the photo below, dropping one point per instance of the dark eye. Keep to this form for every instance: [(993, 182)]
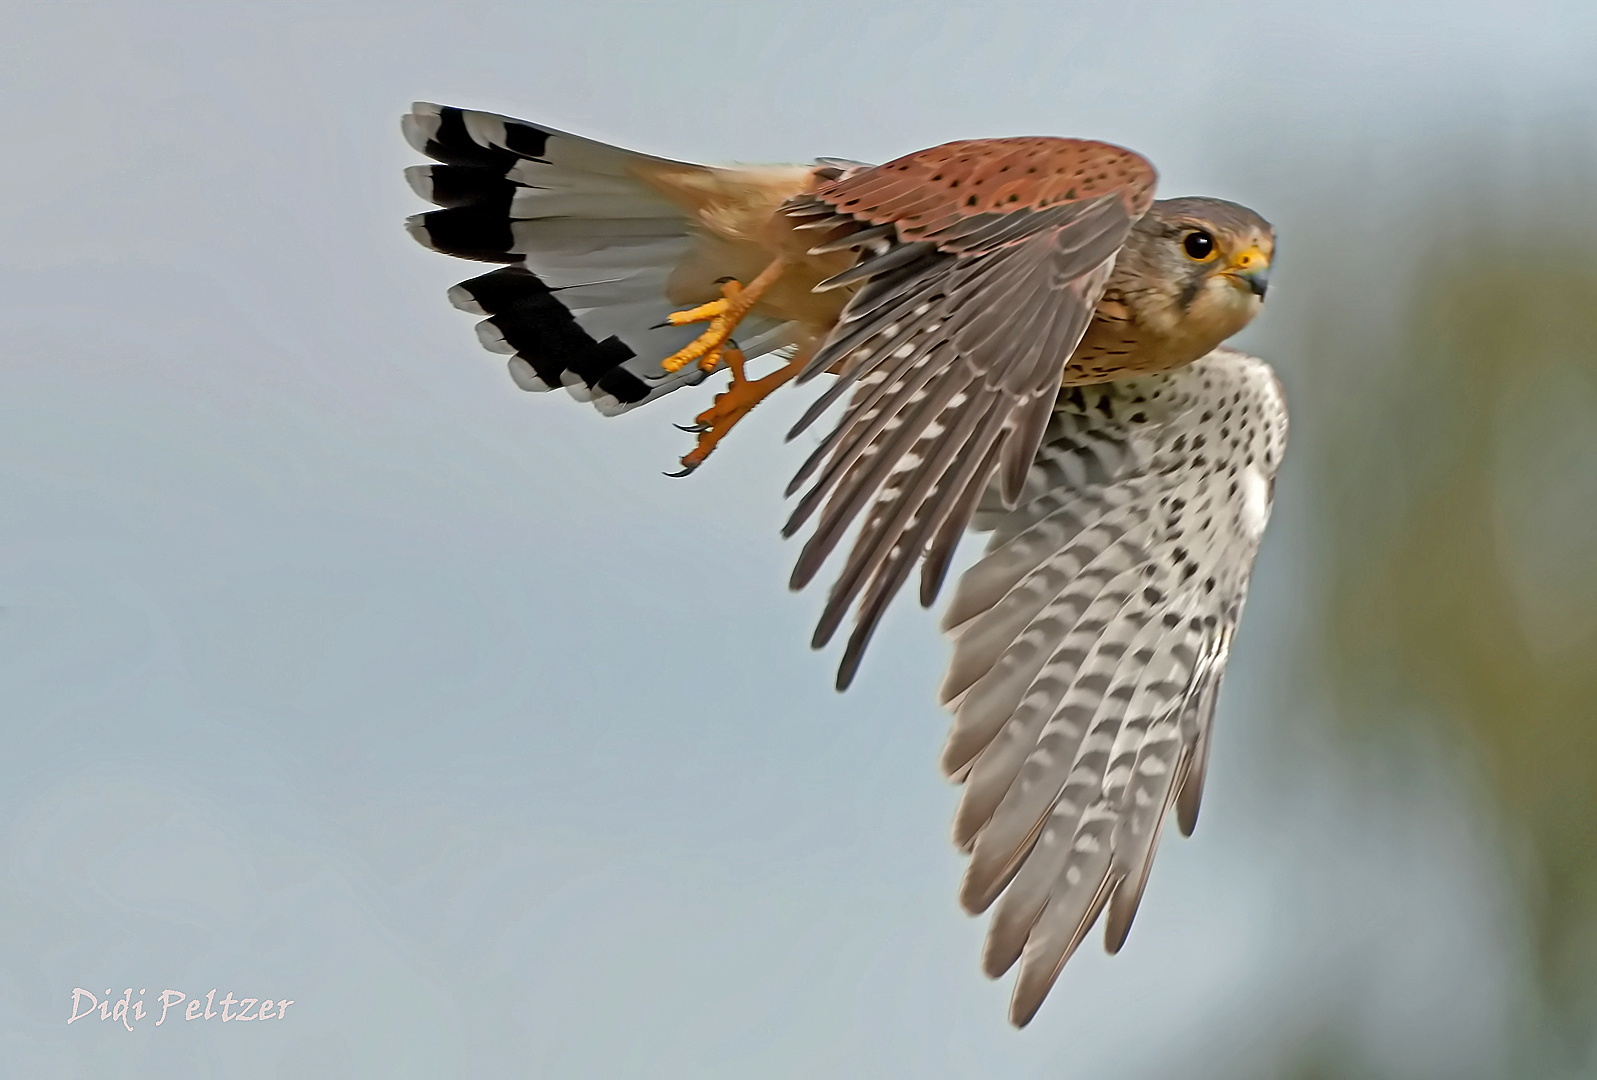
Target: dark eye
[(1198, 244)]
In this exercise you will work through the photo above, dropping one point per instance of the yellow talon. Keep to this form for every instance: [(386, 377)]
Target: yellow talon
[(706, 349), (723, 315), (702, 313)]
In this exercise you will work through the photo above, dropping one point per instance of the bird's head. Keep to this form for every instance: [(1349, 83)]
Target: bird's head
[(1204, 265)]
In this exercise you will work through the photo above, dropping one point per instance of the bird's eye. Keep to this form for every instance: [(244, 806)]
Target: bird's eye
[(1198, 244)]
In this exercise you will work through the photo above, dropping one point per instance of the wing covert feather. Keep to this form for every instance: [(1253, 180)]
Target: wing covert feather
[(966, 312)]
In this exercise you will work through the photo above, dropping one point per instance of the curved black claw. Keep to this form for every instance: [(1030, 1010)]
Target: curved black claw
[(692, 429), (686, 469)]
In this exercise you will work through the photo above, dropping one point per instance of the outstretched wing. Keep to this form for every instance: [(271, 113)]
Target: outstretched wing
[(983, 262), (1089, 642)]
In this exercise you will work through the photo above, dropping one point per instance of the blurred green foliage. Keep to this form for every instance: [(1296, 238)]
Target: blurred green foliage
[(1458, 473)]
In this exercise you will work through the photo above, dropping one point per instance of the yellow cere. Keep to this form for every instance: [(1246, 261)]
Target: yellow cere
[(1250, 259)]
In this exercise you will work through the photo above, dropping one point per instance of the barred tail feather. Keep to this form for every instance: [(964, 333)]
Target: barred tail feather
[(588, 247)]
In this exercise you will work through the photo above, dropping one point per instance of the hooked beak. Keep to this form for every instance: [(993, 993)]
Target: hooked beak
[(1251, 269)]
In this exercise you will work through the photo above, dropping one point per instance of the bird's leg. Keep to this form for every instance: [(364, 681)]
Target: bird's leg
[(723, 315), (735, 402)]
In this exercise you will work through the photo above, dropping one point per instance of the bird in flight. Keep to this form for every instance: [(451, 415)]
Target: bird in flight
[(1024, 342)]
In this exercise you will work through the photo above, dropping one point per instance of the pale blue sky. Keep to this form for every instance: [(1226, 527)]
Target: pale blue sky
[(333, 667)]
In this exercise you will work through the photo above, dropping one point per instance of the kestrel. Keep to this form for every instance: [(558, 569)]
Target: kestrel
[(1024, 342)]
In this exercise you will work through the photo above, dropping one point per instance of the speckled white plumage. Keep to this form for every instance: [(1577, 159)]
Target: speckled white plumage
[(1089, 642)]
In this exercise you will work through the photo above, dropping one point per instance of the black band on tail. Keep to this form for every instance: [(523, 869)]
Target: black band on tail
[(531, 319)]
